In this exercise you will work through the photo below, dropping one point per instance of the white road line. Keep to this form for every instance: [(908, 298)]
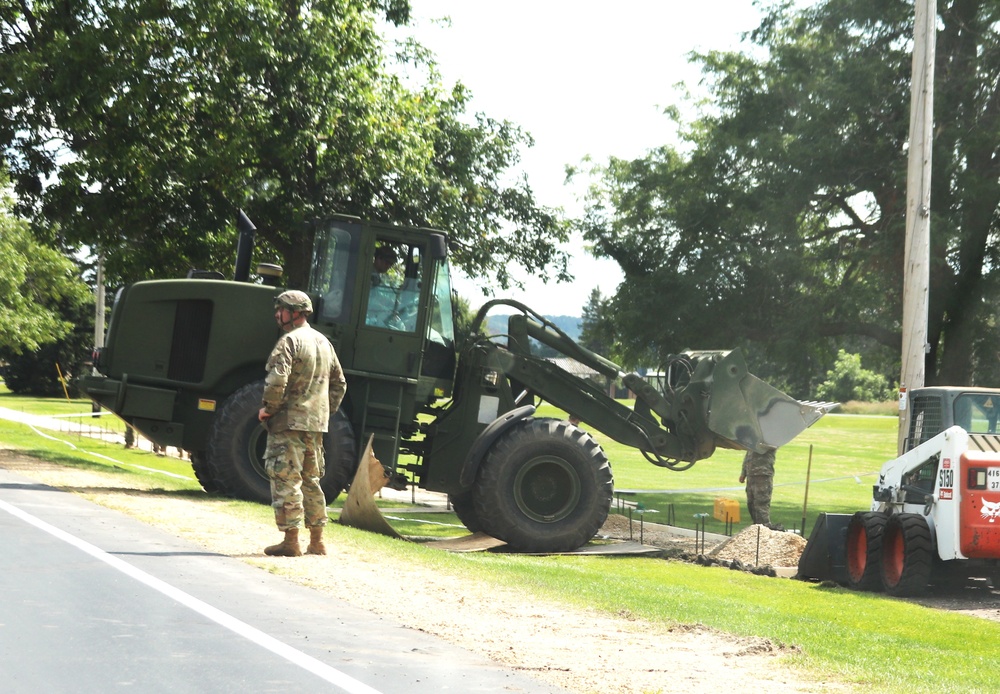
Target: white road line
[(100, 456), (306, 662)]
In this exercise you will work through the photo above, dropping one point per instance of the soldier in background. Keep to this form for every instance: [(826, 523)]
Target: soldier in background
[(305, 384), (758, 473)]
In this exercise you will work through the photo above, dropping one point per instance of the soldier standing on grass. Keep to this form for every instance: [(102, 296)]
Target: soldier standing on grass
[(305, 384), (758, 473)]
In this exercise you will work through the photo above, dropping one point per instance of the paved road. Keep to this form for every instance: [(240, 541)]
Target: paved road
[(92, 600)]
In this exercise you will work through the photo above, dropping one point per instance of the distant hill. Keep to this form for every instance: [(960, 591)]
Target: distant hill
[(570, 325)]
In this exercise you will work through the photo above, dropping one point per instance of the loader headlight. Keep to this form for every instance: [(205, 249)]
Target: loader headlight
[(490, 378)]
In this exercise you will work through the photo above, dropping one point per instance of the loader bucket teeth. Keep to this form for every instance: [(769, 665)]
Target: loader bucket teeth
[(782, 419), (359, 509), (754, 415)]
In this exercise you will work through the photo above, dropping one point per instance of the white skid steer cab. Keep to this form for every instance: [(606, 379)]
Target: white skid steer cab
[(935, 512)]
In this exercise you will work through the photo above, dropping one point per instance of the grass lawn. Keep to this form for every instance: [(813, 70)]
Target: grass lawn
[(846, 453), (869, 641)]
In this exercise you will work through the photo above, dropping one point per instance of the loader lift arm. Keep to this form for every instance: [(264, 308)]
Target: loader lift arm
[(582, 398), (704, 401)]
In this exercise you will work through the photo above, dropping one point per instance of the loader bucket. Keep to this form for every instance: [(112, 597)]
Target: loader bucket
[(359, 509), (752, 414), (825, 555)]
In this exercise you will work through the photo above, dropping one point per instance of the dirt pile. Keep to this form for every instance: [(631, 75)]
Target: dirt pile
[(758, 545), (755, 546)]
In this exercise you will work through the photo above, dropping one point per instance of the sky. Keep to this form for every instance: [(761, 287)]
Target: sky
[(584, 79)]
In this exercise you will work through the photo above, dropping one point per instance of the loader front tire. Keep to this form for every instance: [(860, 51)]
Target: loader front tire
[(907, 557), (544, 486), (236, 447), (864, 550)]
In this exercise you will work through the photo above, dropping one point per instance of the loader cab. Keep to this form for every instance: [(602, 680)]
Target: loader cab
[(383, 295), (932, 410)]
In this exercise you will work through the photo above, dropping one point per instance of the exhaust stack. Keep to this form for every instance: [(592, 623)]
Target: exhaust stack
[(244, 248)]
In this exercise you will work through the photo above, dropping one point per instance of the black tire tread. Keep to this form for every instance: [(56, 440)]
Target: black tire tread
[(918, 554), (499, 515), (464, 507), (202, 472), (232, 474), (872, 524), (224, 456)]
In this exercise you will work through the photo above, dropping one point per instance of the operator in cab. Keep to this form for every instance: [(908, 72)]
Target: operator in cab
[(385, 258)]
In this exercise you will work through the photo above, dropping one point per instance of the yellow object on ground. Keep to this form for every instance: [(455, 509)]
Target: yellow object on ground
[(727, 510)]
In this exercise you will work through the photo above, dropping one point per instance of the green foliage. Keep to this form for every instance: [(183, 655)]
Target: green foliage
[(141, 128), (465, 316), (779, 220), (847, 380), (40, 290), (50, 369), (597, 331)]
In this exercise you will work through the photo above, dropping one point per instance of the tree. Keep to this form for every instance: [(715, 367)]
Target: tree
[(139, 129), (847, 381), (35, 281), (778, 223), (464, 316), (45, 370), (597, 325)]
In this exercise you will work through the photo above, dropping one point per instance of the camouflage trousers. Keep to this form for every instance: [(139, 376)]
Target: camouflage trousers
[(294, 462), (759, 488)]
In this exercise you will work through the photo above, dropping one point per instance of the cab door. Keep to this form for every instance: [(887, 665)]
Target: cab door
[(388, 344), (389, 339)]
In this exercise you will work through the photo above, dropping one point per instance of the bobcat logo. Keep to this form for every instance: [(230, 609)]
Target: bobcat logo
[(991, 510)]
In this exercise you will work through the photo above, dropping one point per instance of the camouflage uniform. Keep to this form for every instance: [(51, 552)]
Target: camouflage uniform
[(758, 469), (304, 386)]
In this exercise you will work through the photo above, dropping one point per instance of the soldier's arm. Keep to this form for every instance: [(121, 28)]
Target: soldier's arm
[(338, 384), (279, 366)]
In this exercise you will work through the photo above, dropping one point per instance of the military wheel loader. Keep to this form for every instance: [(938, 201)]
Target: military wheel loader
[(935, 511), (184, 359)]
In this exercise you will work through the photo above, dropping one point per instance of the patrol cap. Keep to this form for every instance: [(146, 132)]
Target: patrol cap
[(294, 300)]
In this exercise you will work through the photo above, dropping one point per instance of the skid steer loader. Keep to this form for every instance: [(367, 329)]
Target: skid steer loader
[(935, 511)]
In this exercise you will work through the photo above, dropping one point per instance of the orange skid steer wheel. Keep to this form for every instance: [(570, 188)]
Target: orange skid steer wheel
[(864, 550)]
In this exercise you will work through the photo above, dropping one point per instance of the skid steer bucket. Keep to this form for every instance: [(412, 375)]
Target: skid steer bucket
[(359, 509), (825, 555)]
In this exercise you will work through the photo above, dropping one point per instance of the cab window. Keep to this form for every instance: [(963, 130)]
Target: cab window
[(394, 287), (334, 259)]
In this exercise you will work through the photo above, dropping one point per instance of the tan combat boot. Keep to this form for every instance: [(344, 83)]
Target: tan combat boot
[(316, 545), (289, 547)]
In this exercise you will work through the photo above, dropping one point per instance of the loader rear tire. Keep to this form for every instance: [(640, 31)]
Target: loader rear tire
[(464, 507), (340, 450), (202, 472), (864, 550), (907, 555), (237, 442), (544, 486)]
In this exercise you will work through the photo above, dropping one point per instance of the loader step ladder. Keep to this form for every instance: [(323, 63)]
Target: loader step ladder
[(382, 415)]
